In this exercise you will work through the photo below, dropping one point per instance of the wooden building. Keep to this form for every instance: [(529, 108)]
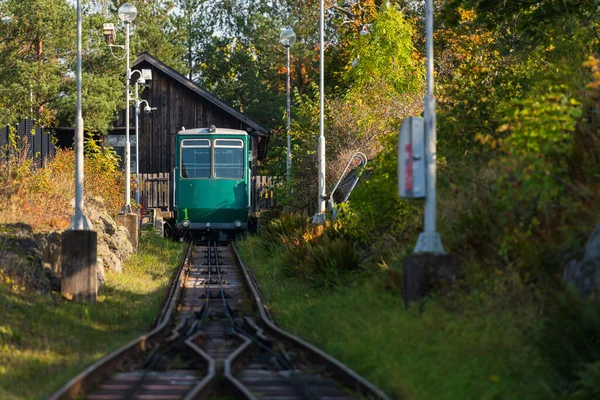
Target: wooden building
[(180, 103)]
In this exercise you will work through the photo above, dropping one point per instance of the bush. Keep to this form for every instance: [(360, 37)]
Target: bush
[(41, 197), (570, 341), (317, 254), (321, 262), (588, 386), (286, 229)]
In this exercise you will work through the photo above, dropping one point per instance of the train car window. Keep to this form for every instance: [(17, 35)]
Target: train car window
[(229, 158), (195, 158)]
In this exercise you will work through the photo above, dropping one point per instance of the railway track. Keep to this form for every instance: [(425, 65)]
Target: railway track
[(215, 339)]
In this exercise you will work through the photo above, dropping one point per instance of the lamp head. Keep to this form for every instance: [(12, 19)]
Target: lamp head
[(127, 12), (145, 78), (364, 30), (110, 35), (149, 110), (287, 37)]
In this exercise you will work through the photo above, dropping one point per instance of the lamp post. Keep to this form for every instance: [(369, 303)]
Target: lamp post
[(79, 243), (320, 216), (127, 13), (288, 38), (79, 220), (144, 79)]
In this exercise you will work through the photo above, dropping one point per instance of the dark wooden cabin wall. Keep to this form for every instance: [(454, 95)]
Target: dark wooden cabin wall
[(177, 106)]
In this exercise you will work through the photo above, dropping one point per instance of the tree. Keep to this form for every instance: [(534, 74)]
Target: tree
[(34, 55)]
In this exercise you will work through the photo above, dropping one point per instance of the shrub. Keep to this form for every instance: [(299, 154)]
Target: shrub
[(322, 261), (41, 197), (588, 386), (286, 229), (570, 340)]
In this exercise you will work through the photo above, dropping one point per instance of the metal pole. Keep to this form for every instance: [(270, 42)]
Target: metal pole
[(127, 207), (137, 152), (79, 221), (288, 159), (321, 152), (429, 241)]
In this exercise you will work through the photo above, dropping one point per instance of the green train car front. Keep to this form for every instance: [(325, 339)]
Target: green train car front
[(212, 179)]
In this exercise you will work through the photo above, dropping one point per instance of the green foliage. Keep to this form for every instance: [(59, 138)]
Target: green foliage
[(587, 385), (387, 52), (321, 261), (532, 188), (317, 254), (374, 207), (284, 229), (570, 342), (37, 40)]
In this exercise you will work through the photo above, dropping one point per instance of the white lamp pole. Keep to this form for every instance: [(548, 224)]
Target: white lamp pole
[(321, 150), (127, 13), (79, 221), (137, 141), (288, 38), (429, 241)]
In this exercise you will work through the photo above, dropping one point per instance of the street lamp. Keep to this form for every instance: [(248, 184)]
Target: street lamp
[(288, 38), (127, 13), (144, 79), (79, 220), (322, 197)]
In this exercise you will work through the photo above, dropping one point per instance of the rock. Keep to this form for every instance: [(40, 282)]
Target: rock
[(108, 224), (21, 258), (52, 278), (123, 245), (35, 260), (109, 260), (585, 274), (101, 276), (50, 245)]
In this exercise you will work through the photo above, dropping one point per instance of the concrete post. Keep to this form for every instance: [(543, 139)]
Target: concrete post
[(79, 275), (130, 222)]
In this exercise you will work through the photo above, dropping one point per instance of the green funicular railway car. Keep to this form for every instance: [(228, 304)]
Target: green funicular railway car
[(211, 182)]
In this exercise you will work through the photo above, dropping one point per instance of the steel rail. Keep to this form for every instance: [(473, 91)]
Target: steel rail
[(341, 372), (118, 358)]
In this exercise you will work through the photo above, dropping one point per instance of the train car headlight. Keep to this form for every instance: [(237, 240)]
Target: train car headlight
[(186, 224), (238, 224)]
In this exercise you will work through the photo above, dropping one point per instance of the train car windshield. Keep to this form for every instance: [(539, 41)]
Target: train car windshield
[(229, 158), (195, 158)]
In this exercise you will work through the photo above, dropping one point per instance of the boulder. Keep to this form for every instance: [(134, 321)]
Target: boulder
[(21, 258), (110, 261), (50, 245), (34, 260), (585, 274), (100, 275)]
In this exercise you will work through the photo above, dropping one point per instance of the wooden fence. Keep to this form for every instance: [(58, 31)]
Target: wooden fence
[(262, 195), (155, 192), (39, 146)]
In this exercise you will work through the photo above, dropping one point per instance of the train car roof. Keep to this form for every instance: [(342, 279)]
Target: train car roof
[(208, 131)]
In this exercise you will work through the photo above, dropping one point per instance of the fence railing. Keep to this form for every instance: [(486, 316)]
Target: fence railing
[(39, 146), (262, 194), (155, 192)]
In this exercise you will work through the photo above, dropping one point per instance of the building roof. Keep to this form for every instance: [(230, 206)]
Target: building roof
[(260, 130)]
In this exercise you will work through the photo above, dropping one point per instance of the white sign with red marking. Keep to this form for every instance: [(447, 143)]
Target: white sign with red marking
[(411, 159)]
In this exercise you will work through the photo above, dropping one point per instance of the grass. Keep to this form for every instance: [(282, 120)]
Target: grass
[(431, 352), (46, 340)]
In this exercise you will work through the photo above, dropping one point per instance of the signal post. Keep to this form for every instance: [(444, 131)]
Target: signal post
[(430, 266)]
